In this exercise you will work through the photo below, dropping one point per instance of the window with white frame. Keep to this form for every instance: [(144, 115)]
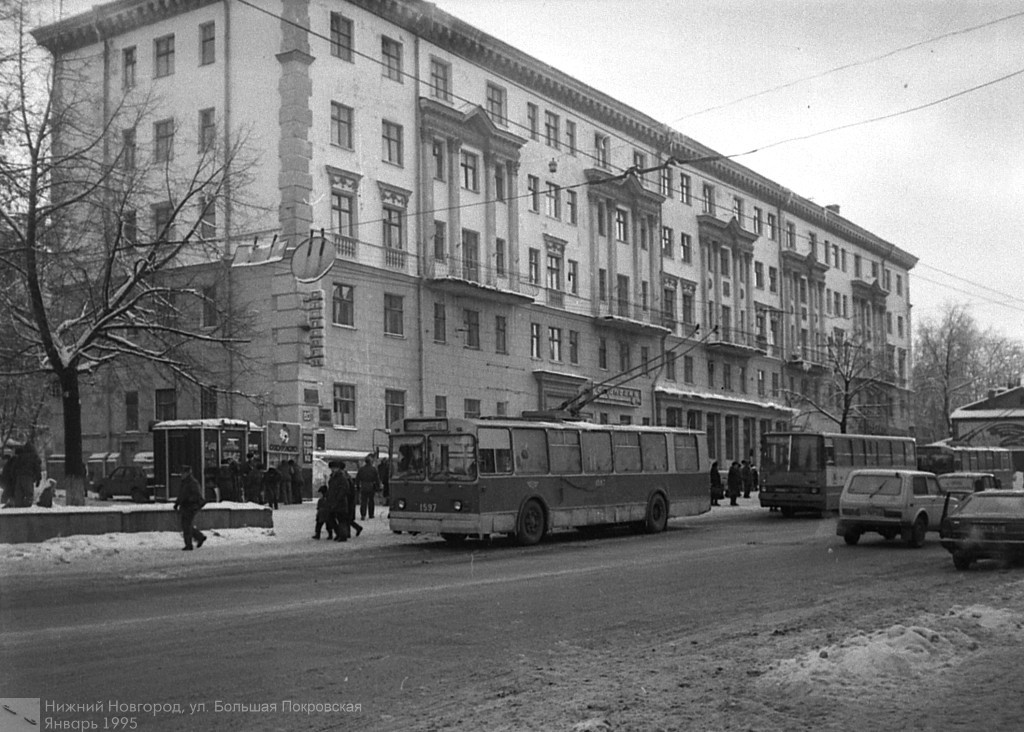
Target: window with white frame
[(535, 340), (470, 164), (497, 100), (552, 129), (553, 201), (554, 343), (163, 140), (441, 79), (708, 203), (602, 148), (341, 125), (394, 406), (533, 266), (391, 142), (343, 412), (471, 324), (207, 129), (570, 136), (341, 37), (343, 213), (391, 58), (129, 65), (343, 304), (163, 56), (207, 44), (440, 323), (394, 314), (500, 334), (392, 222), (574, 347)]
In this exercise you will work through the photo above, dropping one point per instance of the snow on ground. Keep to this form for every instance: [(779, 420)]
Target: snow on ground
[(866, 663)]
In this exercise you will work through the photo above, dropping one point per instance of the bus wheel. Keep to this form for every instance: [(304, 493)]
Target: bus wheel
[(851, 537), (657, 514), (454, 539), (530, 526)]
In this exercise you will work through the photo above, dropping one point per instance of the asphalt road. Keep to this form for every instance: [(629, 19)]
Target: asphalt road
[(423, 636)]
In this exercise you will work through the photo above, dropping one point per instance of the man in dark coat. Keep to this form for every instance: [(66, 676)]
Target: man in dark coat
[(733, 483), (368, 481), (716, 484), (747, 478), (272, 486), (28, 470), (295, 481), (337, 501), (187, 504)]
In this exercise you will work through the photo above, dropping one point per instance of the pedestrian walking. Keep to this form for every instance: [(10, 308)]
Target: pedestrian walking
[(252, 479), (353, 501), (733, 483), (336, 501), (7, 482), (716, 484), (272, 487), (755, 478), (323, 516), (27, 471), (747, 478), (368, 481), (188, 503)]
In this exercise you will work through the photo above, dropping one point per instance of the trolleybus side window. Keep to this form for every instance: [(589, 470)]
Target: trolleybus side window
[(494, 447), (565, 452), (805, 455), (844, 451), (597, 452), (626, 451), (830, 451), (530, 448), (687, 459), (655, 453), (410, 456), (451, 457)]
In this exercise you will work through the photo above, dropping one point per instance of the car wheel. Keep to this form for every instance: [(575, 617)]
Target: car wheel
[(530, 525), (962, 560), (851, 537), (657, 514), (139, 495), (103, 495), (914, 535)]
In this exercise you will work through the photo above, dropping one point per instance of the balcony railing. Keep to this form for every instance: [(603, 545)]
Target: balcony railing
[(737, 342)]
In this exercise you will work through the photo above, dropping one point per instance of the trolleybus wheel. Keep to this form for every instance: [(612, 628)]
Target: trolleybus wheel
[(851, 537), (454, 539), (530, 525), (657, 514), (962, 560)]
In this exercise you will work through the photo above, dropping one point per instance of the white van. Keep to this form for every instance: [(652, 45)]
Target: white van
[(890, 502)]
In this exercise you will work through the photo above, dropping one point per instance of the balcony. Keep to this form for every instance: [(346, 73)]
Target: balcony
[(809, 359), (467, 278), (630, 318), (732, 342)]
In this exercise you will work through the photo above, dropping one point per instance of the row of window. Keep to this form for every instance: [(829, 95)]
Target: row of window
[(165, 406), (164, 55), (163, 139)]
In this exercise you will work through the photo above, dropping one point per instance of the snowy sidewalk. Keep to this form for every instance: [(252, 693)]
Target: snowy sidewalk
[(292, 534)]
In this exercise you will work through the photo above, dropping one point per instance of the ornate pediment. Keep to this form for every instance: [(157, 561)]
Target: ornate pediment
[(343, 180), (728, 233), (393, 195)]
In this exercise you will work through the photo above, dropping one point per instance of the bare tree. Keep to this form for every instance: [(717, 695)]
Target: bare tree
[(852, 391), (956, 363), (88, 287)]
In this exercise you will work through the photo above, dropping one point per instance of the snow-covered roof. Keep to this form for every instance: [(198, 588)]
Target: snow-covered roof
[(691, 394), (208, 423)]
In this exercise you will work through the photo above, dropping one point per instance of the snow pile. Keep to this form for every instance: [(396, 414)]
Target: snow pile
[(93, 547), (899, 653)]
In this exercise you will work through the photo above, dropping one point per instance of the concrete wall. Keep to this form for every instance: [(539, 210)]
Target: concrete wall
[(18, 526)]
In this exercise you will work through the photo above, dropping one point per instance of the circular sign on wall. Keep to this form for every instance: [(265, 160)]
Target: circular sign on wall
[(313, 258)]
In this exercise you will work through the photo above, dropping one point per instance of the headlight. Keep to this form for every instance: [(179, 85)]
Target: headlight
[(400, 505), (457, 505), (815, 491)]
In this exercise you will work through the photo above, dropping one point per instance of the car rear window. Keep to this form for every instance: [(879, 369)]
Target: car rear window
[(978, 505), (875, 485)]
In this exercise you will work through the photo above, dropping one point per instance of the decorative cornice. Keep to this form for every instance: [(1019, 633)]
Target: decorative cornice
[(554, 245), (344, 180), (711, 228), (473, 127), (625, 189), (393, 195)]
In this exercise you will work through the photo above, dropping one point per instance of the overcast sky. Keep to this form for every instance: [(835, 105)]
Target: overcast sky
[(945, 183)]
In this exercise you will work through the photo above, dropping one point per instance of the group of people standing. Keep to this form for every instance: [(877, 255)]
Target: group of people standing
[(20, 474), (249, 481), (740, 480), (336, 509)]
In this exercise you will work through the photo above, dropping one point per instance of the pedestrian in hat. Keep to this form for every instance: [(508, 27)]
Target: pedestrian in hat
[(336, 501), (323, 516)]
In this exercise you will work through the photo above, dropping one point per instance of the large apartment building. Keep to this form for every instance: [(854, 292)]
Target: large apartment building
[(506, 236)]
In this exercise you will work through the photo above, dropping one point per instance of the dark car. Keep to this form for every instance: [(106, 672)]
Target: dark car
[(985, 525), (964, 483), (125, 480)]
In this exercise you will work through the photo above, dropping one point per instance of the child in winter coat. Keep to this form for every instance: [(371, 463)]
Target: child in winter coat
[(322, 515)]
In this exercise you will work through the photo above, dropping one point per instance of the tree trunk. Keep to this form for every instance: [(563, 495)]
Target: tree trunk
[(74, 463)]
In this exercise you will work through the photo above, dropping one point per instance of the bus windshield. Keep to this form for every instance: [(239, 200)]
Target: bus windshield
[(452, 457), (409, 449)]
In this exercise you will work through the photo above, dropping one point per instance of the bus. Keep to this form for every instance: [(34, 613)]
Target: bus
[(941, 458), (805, 471), (525, 477)]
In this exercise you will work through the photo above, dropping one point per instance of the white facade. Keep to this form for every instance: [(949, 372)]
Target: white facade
[(500, 261)]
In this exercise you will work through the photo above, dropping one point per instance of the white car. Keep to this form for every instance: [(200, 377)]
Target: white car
[(907, 503)]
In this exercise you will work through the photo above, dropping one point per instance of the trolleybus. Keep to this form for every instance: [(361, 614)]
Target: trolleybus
[(941, 458), (524, 477), (805, 471)]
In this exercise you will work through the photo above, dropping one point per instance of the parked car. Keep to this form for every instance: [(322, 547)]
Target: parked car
[(985, 525), (964, 483), (126, 480), (907, 503)]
